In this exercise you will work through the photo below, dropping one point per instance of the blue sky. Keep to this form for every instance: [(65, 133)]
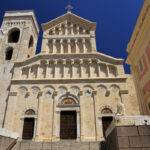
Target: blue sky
[(115, 19)]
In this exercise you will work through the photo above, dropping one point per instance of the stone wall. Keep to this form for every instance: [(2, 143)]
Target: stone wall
[(129, 138)]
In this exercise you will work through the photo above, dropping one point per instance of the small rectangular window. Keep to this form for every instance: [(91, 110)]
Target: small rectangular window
[(141, 65)]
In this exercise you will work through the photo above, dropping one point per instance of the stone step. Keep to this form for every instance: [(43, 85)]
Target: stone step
[(62, 145)]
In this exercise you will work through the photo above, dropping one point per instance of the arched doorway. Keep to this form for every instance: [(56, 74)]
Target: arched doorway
[(69, 120), (107, 118), (29, 123), (68, 125)]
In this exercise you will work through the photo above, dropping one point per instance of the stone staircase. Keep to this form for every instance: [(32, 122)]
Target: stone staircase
[(62, 145)]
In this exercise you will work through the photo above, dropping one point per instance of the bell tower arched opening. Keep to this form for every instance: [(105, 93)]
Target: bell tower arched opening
[(9, 53), (13, 36)]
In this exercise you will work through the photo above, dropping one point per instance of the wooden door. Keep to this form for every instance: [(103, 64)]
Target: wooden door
[(68, 125), (106, 121), (28, 128)]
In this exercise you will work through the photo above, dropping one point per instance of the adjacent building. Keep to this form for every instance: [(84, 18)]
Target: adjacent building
[(139, 57)]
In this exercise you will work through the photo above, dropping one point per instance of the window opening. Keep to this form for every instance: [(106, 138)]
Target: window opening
[(9, 53), (14, 36), (30, 42)]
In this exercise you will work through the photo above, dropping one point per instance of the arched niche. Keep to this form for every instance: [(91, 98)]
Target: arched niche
[(9, 53), (68, 99), (30, 112), (106, 111), (13, 35)]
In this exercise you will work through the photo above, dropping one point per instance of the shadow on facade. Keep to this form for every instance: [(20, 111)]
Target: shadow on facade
[(102, 145)]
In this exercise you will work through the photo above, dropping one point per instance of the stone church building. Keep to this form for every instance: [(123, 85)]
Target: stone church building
[(67, 91)]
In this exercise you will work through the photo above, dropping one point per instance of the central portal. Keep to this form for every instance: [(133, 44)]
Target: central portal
[(68, 129)]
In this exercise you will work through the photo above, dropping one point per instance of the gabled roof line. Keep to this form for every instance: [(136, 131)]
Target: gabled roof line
[(65, 15)]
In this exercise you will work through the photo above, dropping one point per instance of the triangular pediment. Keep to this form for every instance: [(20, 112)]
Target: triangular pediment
[(69, 17)]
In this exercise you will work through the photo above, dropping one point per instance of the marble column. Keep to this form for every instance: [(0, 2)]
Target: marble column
[(61, 47), (77, 46), (71, 29), (99, 69), (29, 73), (58, 124), (84, 46), (107, 68), (69, 46), (54, 46)]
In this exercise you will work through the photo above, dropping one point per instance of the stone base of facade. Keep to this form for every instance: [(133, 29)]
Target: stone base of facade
[(128, 137)]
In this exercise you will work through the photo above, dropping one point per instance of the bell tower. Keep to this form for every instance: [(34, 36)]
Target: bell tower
[(18, 36), (18, 40)]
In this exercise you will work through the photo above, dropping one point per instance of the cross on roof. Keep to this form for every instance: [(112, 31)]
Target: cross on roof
[(69, 7)]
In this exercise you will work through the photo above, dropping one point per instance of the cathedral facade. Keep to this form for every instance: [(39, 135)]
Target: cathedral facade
[(67, 91)]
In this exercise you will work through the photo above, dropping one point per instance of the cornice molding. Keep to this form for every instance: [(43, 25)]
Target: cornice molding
[(88, 80)]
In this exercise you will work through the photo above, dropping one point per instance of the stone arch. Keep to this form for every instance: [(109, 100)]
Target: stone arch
[(49, 91), (88, 86), (29, 108), (35, 89), (8, 53), (13, 35), (71, 96), (115, 87), (102, 85), (102, 88), (62, 89), (75, 90), (49, 86), (107, 114), (23, 89)]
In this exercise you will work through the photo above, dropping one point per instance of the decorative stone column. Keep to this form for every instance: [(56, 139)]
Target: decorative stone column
[(71, 29), (78, 32), (61, 46), (99, 69), (40, 107), (77, 47), (29, 73), (54, 46), (107, 68), (93, 42), (69, 46), (84, 45), (78, 125), (58, 125)]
